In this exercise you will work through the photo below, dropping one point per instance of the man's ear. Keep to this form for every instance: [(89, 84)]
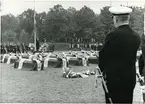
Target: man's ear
[(116, 19), (128, 17)]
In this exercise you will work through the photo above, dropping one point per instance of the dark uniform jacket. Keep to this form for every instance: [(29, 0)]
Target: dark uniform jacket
[(141, 64), (143, 45), (118, 56), (143, 54)]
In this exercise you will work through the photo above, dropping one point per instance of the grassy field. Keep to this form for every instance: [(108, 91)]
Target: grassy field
[(48, 86)]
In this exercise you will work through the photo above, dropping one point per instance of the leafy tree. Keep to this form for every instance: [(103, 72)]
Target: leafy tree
[(27, 21), (64, 25), (24, 37), (9, 22), (106, 20), (55, 24), (71, 24), (85, 19), (137, 18), (9, 36), (99, 34), (40, 19)]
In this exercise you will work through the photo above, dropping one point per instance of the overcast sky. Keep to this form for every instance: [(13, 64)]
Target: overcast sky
[(16, 7)]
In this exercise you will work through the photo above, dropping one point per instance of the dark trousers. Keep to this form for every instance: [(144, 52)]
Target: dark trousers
[(120, 96), (34, 66), (42, 67), (120, 91), (141, 65)]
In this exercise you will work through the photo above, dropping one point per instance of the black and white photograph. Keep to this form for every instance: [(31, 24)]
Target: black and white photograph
[(72, 51)]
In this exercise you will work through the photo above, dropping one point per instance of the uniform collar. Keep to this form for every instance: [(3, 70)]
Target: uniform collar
[(124, 25)]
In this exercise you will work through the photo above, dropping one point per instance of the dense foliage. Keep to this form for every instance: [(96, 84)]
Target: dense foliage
[(64, 25)]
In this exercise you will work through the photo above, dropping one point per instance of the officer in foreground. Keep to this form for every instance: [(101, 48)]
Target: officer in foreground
[(117, 57)]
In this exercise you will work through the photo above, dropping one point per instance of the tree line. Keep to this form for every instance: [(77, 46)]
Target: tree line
[(64, 25)]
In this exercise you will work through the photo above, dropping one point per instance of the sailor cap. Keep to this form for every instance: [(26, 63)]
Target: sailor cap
[(120, 10)]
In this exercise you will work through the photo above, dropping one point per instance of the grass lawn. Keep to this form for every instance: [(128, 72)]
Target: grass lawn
[(48, 86)]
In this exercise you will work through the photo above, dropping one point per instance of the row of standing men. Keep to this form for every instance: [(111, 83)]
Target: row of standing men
[(25, 48)]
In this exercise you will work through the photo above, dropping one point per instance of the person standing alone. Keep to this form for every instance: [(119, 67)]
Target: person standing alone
[(37, 44), (117, 57)]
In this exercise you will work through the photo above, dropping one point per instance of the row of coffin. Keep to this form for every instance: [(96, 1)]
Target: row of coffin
[(55, 59)]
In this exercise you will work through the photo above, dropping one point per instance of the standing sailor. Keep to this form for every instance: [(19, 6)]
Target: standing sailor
[(37, 44), (117, 57)]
